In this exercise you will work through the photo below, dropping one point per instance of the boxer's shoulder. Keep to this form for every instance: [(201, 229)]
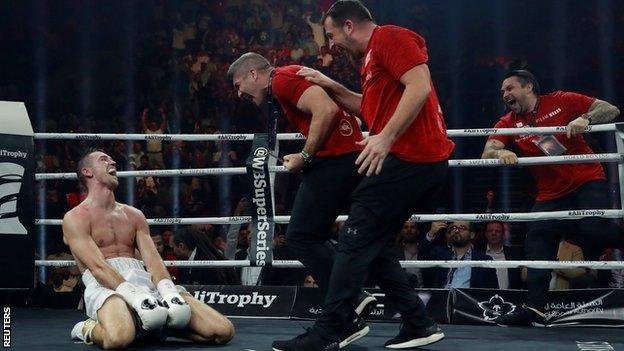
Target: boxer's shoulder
[(131, 211)]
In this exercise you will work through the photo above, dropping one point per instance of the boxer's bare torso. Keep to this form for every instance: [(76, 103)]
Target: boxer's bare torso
[(112, 230)]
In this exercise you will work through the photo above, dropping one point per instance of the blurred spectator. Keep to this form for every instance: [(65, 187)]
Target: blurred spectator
[(281, 276), (408, 240), (317, 30), (508, 278), (613, 278), (219, 243), (572, 278), (136, 154), (248, 275), (154, 147), (309, 282), (159, 242), (460, 249), (192, 245), (326, 57)]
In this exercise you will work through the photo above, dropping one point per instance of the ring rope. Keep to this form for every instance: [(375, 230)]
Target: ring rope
[(298, 136), (472, 217), (478, 162), (405, 264)]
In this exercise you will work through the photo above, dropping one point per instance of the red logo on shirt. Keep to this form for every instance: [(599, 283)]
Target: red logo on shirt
[(345, 128)]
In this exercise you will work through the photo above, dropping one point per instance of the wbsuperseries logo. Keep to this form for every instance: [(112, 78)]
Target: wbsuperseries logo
[(260, 189)]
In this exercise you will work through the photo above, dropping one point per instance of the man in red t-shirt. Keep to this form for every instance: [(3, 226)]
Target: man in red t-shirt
[(327, 160), (405, 159), (560, 186)]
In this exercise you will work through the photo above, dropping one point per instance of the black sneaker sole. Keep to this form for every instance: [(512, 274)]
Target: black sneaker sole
[(428, 340), (355, 336), (366, 306)]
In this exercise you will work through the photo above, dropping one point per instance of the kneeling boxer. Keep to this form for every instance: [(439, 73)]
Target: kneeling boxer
[(122, 299)]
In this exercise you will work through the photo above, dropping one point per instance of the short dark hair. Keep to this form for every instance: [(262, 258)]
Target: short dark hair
[(84, 161), (495, 222), (343, 10), (525, 77), (248, 61)]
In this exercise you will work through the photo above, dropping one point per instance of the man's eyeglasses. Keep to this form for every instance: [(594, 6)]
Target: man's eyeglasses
[(461, 228)]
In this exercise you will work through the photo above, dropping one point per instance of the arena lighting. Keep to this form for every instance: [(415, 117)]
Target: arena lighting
[(40, 95), (605, 40), (501, 40), (455, 113), (129, 88)]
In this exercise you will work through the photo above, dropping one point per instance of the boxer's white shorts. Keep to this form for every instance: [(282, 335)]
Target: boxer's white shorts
[(131, 269)]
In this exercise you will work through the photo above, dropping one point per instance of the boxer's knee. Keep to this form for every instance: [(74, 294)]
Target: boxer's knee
[(117, 338), (217, 329), (208, 325), (224, 332), (117, 322)]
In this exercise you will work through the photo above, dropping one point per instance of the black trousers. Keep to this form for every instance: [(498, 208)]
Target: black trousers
[(324, 191), (379, 207), (593, 234)]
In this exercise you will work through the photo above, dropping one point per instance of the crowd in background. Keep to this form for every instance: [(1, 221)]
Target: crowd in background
[(160, 67)]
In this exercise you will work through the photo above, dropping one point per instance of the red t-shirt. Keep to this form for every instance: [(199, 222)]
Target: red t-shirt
[(288, 87), (555, 109), (391, 52)]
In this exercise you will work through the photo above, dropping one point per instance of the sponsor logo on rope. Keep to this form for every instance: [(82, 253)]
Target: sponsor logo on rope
[(587, 213), (582, 157), (238, 300), (239, 219), (231, 137), (157, 137), (168, 220), (259, 199), (481, 131), (87, 137), (492, 216), (495, 307)]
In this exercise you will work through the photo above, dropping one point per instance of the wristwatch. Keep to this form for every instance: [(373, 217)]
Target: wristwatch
[(307, 158)]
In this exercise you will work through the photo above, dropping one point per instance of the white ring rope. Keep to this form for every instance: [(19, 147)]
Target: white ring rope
[(298, 136), (404, 264), (481, 217), (472, 217), (491, 162)]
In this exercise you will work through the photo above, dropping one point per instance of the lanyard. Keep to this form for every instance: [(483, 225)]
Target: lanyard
[(273, 114)]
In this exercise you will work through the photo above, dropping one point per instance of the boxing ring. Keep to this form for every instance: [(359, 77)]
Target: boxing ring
[(49, 329)]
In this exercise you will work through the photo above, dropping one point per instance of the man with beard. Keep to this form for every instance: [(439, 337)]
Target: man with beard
[(405, 159), (560, 186), (327, 161), (123, 296), (459, 248)]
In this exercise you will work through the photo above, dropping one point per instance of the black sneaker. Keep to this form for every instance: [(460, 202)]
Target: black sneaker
[(522, 316), (353, 331), (364, 304), (311, 340), (415, 337)]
